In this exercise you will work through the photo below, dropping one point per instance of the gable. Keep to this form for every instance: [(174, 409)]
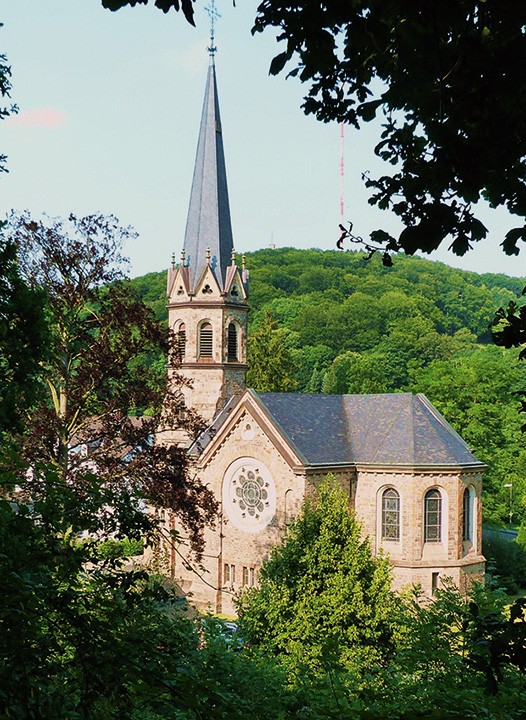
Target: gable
[(234, 286), (242, 419), (207, 288), (177, 284)]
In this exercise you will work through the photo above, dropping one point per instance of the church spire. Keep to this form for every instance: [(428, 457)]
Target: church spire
[(208, 224)]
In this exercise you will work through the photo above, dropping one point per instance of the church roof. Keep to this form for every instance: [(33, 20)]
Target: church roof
[(208, 224), (391, 429)]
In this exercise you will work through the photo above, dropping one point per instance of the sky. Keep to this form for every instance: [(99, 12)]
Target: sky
[(109, 111)]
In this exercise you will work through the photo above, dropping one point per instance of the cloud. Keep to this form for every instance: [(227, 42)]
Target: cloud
[(195, 58), (38, 117)]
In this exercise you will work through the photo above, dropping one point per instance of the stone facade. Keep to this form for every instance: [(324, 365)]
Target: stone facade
[(236, 546), (212, 379)]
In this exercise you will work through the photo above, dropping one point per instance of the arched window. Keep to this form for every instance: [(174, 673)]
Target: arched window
[(181, 340), (232, 343), (180, 407), (390, 515), (206, 341), (467, 516), (432, 516)]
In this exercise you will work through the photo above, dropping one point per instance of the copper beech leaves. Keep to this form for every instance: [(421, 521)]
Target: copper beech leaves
[(105, 380)]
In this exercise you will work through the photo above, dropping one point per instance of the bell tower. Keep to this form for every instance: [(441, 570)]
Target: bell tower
[(207, 291)]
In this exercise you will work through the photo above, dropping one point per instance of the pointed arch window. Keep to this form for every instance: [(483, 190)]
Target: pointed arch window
[(206, 341), (181, 340), (390, 515), (433, 516), (232, 343)]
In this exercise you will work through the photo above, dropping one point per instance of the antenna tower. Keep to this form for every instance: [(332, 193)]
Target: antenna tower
[(342, 174)]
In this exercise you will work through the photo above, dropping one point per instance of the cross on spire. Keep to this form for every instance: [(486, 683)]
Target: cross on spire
[(213, 14)]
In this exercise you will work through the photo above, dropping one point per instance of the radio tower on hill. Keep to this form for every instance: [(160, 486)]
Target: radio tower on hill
[(342, 174)]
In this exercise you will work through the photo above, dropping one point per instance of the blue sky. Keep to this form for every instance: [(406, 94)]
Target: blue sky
[(109, 114)]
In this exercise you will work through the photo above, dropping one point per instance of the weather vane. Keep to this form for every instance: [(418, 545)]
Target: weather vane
[(213, 15)]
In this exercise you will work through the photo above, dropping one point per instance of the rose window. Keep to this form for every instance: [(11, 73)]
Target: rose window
[(249, 494)]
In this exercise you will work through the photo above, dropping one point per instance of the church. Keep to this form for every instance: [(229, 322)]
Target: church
[(412, 480)]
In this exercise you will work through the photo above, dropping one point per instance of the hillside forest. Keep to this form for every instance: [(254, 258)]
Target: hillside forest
[(337, 322)]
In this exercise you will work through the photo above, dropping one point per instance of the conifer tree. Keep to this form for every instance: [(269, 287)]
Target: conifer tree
[(323, 600), (270, 363)]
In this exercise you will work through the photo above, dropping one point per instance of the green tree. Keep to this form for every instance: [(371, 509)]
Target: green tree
[(324, 601), (270, 361), (336, 380), (476, 392), (509, 330)]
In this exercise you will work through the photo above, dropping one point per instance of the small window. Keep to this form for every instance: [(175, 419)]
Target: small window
[(433, 516), (227, 573), (390, 515), (245, 576), (467, 516), (206, 340), (181, 340), (434, 582), (232, 343), (252, 576)]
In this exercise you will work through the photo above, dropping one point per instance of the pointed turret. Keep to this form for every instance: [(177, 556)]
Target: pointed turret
[(208, 228)]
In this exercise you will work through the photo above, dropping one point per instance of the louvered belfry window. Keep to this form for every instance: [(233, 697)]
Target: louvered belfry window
[(181, 340), (206, 341), (232, 343)]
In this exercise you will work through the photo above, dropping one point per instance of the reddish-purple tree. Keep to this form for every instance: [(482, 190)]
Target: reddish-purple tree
[(105, 387)]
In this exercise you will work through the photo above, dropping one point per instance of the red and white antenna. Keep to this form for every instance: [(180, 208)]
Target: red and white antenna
[(342, 174)]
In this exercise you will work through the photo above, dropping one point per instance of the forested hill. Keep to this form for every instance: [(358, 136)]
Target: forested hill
[(308, 277), (341, 323)]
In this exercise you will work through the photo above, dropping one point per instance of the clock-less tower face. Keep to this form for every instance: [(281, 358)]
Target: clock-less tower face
[(249, 495)]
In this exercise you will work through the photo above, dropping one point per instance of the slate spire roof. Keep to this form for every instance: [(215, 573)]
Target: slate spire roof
[(208, 224)]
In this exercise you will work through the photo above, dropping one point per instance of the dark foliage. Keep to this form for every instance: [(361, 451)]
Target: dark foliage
[(86, 636), (445, 76), (5, 90), (187, 6), (23, 340), (107, 391), (509, 330), (506, 562)]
